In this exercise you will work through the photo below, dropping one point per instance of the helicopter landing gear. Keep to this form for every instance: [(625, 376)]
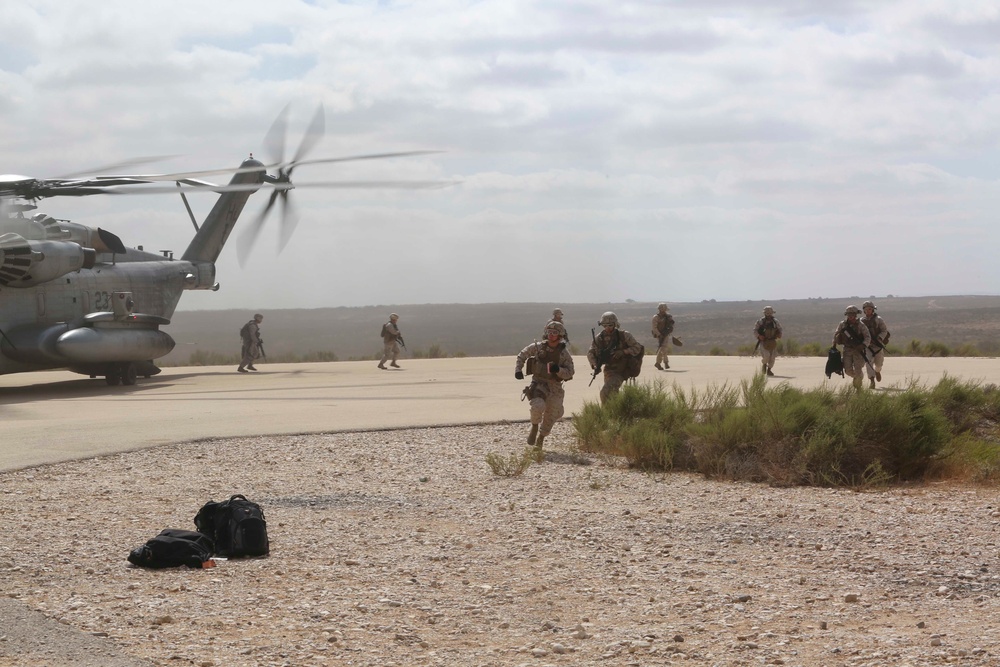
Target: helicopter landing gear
[(124, 373)]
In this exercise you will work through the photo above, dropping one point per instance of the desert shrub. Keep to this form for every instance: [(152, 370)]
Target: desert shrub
[(641, 422), (914, 349), (966, 350), (813, 350), (789, 347), (971, 458), (785, 435), (204, 358), (989, 348), (935, 349), (717, 351), (966, 404), (513, 465)]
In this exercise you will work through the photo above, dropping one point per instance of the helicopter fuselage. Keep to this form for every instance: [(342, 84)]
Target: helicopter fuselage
[(70, 322)]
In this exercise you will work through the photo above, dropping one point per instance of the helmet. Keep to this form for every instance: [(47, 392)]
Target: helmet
[(768, 310), (868, 304), (609, 319), (556, 327), (393, 316), (662, 308), (557, 313), (851, 310)]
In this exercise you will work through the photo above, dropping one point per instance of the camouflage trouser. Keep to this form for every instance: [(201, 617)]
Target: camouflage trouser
[(854, 363), (767, 356), (250, 352), (546, 402), (612, 383), (877, 359), (662, 351), (391, 351)]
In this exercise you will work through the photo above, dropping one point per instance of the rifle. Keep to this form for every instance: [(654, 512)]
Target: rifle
[(602, 355), (401, 342), (760, 332), (847, 331), (260, 346)]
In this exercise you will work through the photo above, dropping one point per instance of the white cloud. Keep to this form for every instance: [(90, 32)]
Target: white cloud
[(683, 150)]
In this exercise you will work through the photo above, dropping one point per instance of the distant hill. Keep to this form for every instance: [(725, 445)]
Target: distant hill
[(503, 328)]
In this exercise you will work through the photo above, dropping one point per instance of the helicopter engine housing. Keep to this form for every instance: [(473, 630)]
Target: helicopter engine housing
[(25, 263)]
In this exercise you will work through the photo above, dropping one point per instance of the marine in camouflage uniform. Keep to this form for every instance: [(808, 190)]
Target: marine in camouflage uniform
[(855, 337), (552, 365), (611, 348), (250, 349), (768, 330), (663, 326), (557, 316), (880, 338), (390, 341)]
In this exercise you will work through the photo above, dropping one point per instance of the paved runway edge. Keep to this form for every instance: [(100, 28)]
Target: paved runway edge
[(60, 416)]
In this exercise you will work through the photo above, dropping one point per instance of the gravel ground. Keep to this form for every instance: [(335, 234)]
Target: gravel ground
[(402, 548)]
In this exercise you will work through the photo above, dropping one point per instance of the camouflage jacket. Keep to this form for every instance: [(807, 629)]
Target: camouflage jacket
[(877, 328), (544, 354), (605, 346), (770, 329), (861, 335), (663, 325), (390, 333)]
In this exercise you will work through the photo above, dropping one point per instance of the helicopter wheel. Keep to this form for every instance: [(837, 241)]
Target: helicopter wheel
[(128, 373), (114, 377)]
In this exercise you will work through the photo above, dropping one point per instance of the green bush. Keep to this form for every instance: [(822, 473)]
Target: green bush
[(513, 465), (785, 436)]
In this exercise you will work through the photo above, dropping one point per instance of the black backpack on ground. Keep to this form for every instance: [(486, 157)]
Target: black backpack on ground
[(173, 547), (236, 525)]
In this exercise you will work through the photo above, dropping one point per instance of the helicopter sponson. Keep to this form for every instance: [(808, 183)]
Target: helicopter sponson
[(99, 338)]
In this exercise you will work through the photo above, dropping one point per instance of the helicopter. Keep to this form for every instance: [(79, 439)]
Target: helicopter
[(75, 297)]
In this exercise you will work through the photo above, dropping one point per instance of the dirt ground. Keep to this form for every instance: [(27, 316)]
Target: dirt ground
[(403, 548)]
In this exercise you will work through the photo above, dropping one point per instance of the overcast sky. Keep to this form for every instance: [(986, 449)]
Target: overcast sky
[(604, 150)]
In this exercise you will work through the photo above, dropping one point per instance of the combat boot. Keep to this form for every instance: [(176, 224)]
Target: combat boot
[(382, 366), (532, 434), (878, 375), (871, 383), (768, 371), (538, 443), (241, 370), (658, 367), (394, 364)]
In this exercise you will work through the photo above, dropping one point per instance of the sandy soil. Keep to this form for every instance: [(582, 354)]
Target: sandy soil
[(402, 548)]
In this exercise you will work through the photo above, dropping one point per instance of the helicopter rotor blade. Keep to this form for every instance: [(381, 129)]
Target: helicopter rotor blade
[(315, 132), (289, 220), (247, 240), (274, 140), (134, 162), (372, 156)]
